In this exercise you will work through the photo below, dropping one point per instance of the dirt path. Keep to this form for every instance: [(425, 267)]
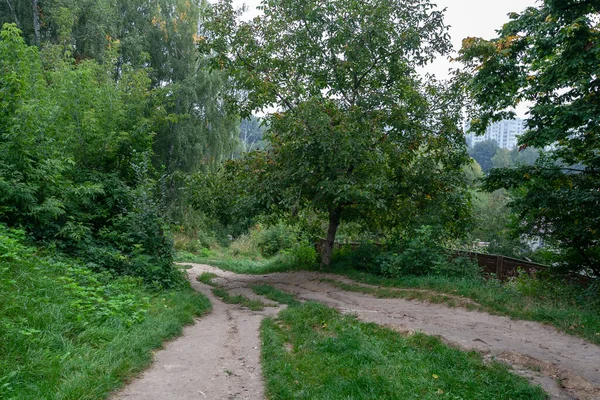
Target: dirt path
[(218, 358)]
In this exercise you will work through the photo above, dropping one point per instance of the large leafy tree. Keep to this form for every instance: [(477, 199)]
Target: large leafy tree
[(357, 133), (549, 56), (193, 131)]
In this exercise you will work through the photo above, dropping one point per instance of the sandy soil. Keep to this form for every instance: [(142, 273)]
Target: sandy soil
[(218, 357)]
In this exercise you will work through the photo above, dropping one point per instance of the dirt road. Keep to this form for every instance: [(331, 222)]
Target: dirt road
[(218, 358)]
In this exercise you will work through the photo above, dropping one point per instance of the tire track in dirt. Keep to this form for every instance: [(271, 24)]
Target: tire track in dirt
[(565, 366), (217, 358)]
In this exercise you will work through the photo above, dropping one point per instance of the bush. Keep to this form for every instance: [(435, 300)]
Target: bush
[(274, 239), (361, 258), (421, 254), (246, 245), (304, 255)]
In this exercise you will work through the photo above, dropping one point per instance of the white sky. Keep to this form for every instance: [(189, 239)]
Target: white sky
[(479, 18)]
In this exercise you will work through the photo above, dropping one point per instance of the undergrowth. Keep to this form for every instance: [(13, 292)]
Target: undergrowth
[(69, 333)]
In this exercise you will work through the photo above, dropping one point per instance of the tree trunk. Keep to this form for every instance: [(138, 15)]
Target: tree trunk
[(14, 14), (36, 22), (335, 216)]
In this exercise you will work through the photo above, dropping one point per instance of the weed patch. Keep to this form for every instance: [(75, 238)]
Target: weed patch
[(69, 333), (206, 278)]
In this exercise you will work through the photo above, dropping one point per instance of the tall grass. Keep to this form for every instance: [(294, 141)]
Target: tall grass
[(69, 333)]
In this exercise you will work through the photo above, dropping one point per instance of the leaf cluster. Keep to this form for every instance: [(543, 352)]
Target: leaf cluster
[(548, 55)]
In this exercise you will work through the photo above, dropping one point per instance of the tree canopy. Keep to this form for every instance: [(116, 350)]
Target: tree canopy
[(549, 56), (357, 133)]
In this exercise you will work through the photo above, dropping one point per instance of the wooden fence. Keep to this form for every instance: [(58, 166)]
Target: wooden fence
[(503, 267)]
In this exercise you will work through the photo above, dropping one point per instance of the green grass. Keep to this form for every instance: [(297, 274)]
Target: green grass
[(206, 278), (565, 307), (226, 297), (69, 333), (241, 264), (275, 294), (313, 352)]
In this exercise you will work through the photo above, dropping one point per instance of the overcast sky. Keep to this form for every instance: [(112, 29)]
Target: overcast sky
[(480, 18)]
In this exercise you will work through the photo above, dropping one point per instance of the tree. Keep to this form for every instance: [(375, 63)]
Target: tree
[(252, 131), (356, 129), (483, 152), (502, 159), (549, 56)]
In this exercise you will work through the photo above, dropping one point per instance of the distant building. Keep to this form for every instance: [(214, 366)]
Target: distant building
[(504, 132)]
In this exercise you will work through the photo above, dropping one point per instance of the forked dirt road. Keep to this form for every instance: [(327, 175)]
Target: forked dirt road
[(219, 356)]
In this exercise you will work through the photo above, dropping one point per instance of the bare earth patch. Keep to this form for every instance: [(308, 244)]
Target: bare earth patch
[(218, 358)]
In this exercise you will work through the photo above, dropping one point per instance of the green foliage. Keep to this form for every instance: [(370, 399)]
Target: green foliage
[(359, 136), (547, 55), (483, 152), (418, 255), (313, 352), (421, 253), (274, 239), (70, 333), (252, 131), (303, 255), (75, 151), (493, 223), (115, 85)]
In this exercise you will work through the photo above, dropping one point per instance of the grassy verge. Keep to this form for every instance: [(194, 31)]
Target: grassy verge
[(549, 302), (69, 333), (226, 297), (241, 264), (275, 294), (312, 352)]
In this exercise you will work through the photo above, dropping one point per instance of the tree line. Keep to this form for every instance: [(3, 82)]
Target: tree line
[(121, 119)]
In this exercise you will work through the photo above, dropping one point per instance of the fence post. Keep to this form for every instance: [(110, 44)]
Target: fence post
[(500, 267)]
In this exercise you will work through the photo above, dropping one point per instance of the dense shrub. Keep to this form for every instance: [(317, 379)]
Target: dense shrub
[(274, 239), (303, 255), (75, 170), (421, 253)]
